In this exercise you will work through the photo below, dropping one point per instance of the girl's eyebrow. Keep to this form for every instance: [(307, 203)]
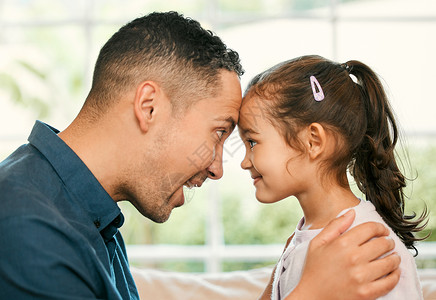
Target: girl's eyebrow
[(249, 131)]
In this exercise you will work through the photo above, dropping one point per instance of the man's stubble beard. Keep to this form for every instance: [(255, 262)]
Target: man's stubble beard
[(152, 198)]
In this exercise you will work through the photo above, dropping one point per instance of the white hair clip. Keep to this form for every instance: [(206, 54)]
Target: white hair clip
[(318, 95)]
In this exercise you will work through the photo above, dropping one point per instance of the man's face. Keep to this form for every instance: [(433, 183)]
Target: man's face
[(189, 150)]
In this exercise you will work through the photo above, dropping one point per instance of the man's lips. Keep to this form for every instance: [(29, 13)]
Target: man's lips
[(181, 200), (190, 184)]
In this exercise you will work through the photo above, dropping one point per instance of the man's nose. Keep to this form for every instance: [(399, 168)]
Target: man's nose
[(215, 170)]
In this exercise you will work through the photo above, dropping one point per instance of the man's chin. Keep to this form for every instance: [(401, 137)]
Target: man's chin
[(177, 199), (160, 218), (157, 214)]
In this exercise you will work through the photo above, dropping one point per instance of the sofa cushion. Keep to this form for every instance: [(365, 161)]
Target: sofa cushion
[(241, 285)]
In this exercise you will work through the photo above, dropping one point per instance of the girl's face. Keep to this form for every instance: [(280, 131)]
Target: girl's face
[(278, 170)]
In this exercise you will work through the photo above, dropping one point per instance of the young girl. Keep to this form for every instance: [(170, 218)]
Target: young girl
[(304, 123)]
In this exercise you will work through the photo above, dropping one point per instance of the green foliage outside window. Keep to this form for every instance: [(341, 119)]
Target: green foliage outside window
[(246, 221)]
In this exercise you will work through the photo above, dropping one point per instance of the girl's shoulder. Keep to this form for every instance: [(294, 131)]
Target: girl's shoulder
[(366, 212), (409, 286)]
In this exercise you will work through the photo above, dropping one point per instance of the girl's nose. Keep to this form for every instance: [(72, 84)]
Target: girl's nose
[(246, 162)]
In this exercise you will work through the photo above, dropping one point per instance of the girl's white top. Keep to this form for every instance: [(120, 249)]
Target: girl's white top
[(290, 265)]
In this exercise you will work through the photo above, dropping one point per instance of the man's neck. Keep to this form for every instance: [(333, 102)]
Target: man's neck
[(97, 147)]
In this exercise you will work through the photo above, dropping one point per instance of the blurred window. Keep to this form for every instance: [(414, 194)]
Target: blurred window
[(48, 49)]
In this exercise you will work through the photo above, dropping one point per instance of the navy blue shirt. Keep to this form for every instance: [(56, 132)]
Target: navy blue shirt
[(59, 235)]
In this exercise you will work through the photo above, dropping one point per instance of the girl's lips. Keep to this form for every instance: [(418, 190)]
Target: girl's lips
[(256, 179)]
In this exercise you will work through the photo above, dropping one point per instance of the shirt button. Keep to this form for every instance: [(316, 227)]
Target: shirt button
[(97, 223)]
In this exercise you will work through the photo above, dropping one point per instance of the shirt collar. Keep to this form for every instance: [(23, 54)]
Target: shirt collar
[(77, 178)]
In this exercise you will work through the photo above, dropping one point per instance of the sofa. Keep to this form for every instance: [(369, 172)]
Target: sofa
[(241, 285)]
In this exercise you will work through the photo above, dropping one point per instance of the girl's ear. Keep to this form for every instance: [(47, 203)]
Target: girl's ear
[(316, 140)]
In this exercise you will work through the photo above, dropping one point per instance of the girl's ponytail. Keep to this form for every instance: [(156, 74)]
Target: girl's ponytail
[(374, 166), (357, 112)]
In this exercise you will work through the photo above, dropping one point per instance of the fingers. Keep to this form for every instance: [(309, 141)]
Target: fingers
[(381, 267), (383, 285), (350, 261), (334, 229), (376, 248), (364, 232)]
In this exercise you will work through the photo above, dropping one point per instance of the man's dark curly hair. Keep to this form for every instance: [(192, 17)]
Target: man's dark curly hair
[(168, 48)]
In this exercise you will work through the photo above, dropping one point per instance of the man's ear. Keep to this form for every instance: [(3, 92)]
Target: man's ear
[(145, 103), (316, 140)]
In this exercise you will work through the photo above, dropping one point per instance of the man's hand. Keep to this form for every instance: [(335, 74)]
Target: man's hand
[(345, 266)]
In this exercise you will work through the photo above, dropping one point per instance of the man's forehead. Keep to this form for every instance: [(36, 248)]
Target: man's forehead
[(224, 106)]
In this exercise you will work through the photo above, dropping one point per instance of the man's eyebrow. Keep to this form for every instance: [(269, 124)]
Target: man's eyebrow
[(229, 120)]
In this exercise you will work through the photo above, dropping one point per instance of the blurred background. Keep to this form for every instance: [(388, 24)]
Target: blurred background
[(47, 53)]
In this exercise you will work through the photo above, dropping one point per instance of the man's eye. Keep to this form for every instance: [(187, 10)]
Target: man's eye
[(221, 133)]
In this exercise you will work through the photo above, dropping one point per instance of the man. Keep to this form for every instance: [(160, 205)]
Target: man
[(162, 87)]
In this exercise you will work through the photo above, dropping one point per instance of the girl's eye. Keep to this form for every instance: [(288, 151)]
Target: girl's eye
[(221, 133), (251, 143)]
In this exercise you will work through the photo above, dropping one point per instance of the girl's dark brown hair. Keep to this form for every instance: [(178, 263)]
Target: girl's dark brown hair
[(357, 111)]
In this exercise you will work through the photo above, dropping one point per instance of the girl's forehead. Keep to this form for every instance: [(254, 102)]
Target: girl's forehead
[(253, 106), (252, 114)]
